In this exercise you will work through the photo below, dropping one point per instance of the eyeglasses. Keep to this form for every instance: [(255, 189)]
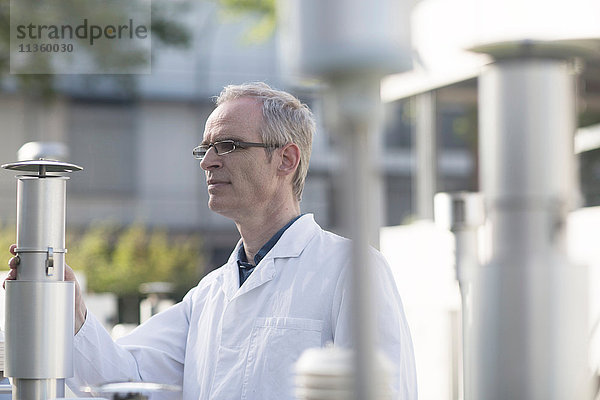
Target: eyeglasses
[(224, 147)]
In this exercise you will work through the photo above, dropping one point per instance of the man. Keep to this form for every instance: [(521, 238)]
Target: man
[(284, 289)]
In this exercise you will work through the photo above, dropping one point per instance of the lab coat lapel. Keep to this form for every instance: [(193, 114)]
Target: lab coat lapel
[(295, 239), (264, 272), (231, 276), (291, 244)]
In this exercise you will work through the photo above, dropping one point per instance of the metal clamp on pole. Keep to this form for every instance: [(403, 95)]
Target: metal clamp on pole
[(50, 262)]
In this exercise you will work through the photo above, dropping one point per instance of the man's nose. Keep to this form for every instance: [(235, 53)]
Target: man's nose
[(211, 160)]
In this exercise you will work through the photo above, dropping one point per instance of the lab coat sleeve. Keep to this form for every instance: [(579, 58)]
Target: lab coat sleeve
[(153, 352), (392, 332)]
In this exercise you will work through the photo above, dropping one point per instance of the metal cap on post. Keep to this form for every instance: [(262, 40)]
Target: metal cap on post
[(39, 317), (42, 166), (344, 37), (459, 210)]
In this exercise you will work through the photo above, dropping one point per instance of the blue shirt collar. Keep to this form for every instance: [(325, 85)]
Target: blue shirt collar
[(241, 256)]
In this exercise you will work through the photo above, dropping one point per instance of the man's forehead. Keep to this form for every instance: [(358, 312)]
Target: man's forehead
[(234, 117)]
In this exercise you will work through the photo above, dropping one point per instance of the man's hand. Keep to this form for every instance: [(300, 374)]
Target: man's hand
[(12, 263), (80, 308)]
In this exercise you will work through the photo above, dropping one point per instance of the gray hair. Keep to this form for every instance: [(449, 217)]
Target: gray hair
[(285, 120)]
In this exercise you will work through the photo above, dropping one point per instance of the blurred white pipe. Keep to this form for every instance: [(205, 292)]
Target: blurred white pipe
[(352, 44), (530, 304), (426, 154), (462, 213)]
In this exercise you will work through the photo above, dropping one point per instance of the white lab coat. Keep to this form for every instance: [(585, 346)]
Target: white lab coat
[(225, 342)]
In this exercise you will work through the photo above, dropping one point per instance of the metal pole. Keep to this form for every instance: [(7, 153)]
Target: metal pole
[(358, 111), (426, 154), (351, 45), (40, 303), (462, 213), (529, 307)]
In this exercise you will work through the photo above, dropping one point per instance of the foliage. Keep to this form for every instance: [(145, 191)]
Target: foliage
[(7, 237), (265, 9), (119, 260), (166, 31)]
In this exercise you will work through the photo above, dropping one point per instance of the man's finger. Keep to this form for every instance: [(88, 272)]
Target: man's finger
[(69, 274), (12, 275), (14, 262)]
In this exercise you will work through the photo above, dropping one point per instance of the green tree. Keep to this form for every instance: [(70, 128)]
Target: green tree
[(119, 260), (7, 237)]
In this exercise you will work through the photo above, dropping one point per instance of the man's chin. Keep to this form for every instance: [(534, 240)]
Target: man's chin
[(218, 207)]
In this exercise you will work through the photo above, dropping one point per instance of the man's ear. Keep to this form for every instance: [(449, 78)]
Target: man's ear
[(290, 158)]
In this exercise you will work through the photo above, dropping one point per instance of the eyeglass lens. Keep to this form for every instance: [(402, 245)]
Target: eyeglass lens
[(224, 147), (220, 148)]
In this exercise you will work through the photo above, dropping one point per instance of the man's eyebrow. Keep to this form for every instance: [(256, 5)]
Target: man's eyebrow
[(221, 139)]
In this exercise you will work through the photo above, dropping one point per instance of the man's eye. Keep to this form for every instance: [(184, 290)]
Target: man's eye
[(225, 147)]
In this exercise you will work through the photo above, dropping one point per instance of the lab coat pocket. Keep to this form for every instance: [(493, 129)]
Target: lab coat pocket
[(275, 345)]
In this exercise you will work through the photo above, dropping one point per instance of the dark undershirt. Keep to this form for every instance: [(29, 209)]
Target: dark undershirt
[(245, 268)]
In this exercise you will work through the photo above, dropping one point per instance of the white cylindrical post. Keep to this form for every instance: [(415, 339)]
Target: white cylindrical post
[(530, 326), (352, 44), (358, 108)]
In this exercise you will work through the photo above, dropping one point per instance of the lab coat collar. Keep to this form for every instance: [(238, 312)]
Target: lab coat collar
[(291, 244), (295, 238)]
